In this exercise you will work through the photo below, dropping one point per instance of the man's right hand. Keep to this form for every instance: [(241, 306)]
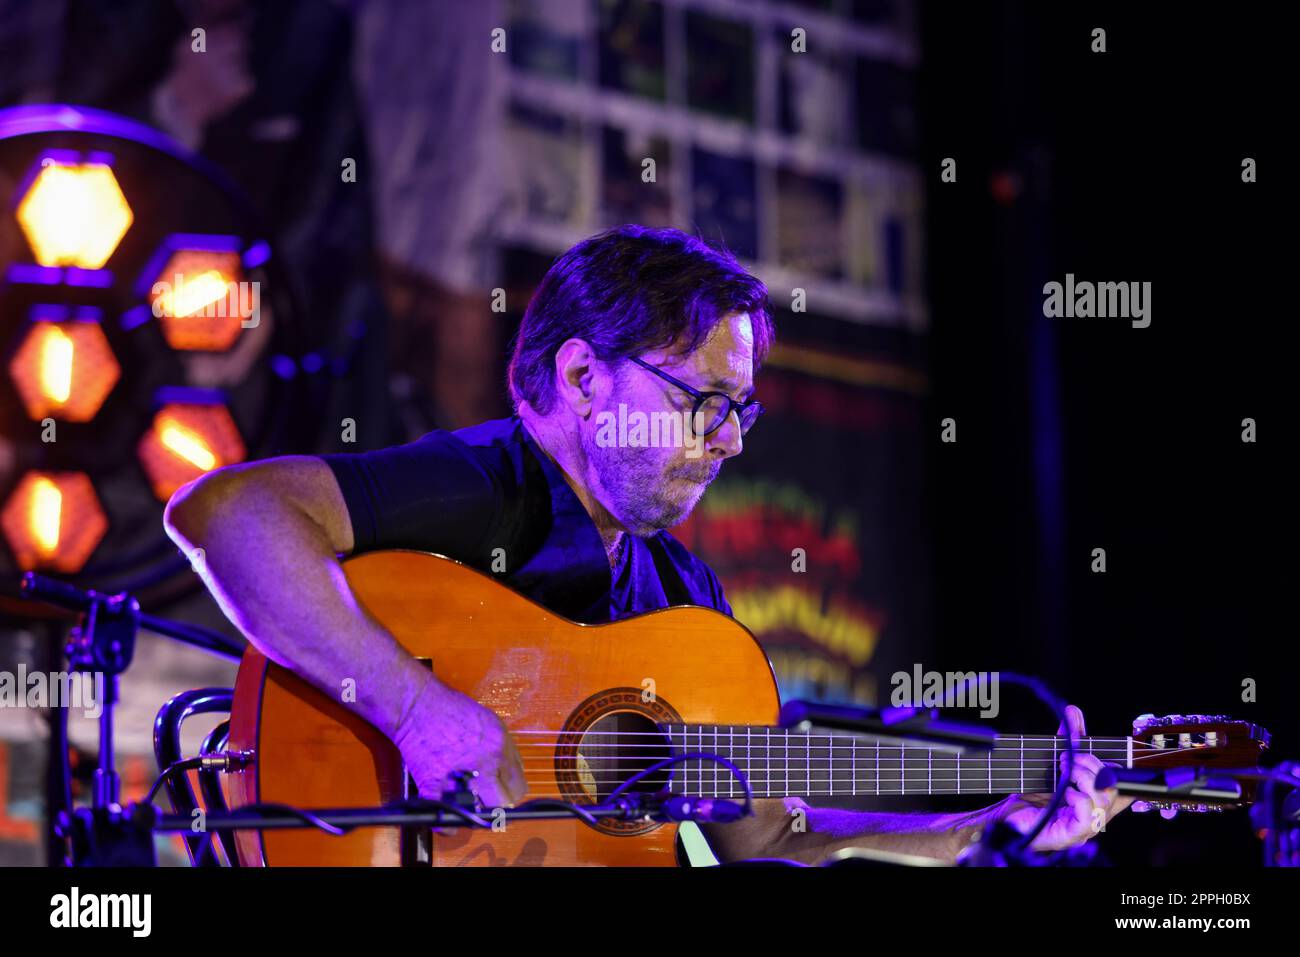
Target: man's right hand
[(447, 731)]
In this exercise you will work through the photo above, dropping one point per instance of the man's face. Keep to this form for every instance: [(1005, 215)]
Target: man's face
[(648, 465)]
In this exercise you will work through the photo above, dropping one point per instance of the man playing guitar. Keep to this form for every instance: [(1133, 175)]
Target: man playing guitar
[(566, 510)]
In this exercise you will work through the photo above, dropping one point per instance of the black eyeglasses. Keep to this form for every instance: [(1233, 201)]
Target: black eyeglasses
[(711, 408)]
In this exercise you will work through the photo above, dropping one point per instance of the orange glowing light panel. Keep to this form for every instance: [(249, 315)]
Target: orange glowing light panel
[(64, 370), (74, 214), (201, 300), (185, 441), (53, 520)]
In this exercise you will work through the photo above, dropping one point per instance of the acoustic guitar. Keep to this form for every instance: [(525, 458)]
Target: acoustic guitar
[(590, 705)]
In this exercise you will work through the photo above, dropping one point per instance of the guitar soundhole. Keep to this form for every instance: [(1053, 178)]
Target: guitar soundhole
[(611, 737), (618, 746)]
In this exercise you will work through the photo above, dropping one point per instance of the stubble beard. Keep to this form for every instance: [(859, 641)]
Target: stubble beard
[(645, 495)]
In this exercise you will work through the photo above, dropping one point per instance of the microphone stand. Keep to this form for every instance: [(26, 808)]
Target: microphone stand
[(123, 837), (102, 646), (892, 725)]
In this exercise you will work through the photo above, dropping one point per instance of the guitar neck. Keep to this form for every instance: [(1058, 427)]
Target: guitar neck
[(779, 762)]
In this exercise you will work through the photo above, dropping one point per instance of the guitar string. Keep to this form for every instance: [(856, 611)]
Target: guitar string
[(721, 729), (782, 792), (887, 776), (845, 756), (761, 741), (546, 795), (777, 742), (888, 781), (1007, 754), (1033, 764), (1001, 774), (972, 768), (1141, 749)]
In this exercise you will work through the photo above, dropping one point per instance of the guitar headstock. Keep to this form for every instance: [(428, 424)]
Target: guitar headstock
[(1193, 742)]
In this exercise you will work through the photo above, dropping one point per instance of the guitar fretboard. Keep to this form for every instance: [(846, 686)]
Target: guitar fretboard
[(779, 762)]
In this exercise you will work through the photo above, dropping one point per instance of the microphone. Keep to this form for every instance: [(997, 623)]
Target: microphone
[(679, 807), (1188, 784)]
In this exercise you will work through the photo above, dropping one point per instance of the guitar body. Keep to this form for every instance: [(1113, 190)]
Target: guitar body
[(555, 683)]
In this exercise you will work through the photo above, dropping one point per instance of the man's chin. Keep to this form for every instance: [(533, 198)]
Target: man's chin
[(675, 514), (670, 516)]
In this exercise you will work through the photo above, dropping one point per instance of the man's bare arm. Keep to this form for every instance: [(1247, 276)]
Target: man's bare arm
[(789, 828), (270, 534)]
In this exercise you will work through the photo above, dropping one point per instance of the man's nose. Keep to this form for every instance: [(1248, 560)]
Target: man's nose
[(726, 441)]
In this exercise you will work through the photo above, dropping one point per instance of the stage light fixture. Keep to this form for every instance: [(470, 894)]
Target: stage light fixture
[(64, 367), (186, 439), (53, 521), (199, 294), (74, 212)]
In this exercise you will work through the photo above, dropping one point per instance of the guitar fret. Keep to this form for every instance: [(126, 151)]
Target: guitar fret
[(748, 764), (700, 786), (734, 756), (735, 759), (717, 783), (709, 769), (784, 739)]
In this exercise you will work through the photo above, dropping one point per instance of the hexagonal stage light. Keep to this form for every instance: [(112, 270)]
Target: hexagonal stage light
[(192, 433), (195, 287), (73, 212), (64, 367), (53, 520)]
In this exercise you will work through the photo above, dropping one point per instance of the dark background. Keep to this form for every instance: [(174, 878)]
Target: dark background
[(1077, 434)]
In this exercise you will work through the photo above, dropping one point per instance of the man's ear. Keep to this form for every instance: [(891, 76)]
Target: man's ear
[(575, 374)]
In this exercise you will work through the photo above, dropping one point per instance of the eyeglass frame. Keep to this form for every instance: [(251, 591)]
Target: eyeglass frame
[(702, 397)]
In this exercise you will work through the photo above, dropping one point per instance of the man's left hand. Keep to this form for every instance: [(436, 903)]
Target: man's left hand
[(1086, 808)]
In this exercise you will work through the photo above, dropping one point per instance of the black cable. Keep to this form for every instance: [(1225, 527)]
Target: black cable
[(1058, 796), (589, 819), (312, 819), (693, 755), (184, 765), (428, 804), (1058, 708)]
